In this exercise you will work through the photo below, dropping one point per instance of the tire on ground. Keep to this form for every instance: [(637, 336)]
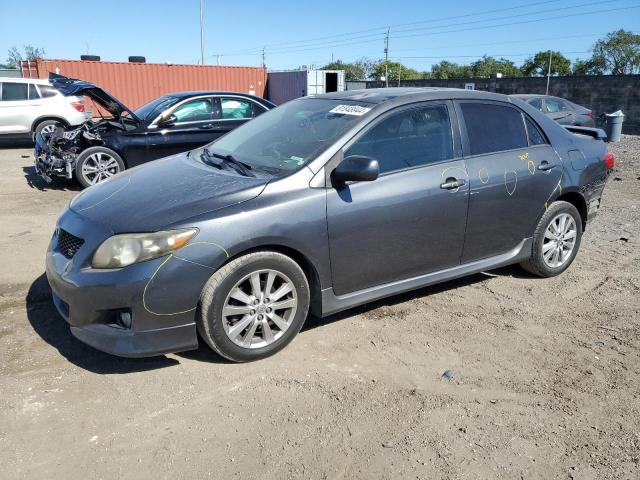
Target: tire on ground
[(84, 156), (536, 264), (209, 316)]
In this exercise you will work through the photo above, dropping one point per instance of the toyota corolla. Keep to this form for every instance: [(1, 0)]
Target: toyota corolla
[(317, 206)]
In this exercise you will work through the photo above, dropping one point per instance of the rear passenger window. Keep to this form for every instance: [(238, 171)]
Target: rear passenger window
[(493, 128), (233, 108), (47, 91), (536, 103), (12, 92), (533, 132), (33, 93), (410, 138)]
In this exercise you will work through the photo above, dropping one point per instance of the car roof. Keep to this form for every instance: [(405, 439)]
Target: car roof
[(39, 81), (411, 94), (197, 93)]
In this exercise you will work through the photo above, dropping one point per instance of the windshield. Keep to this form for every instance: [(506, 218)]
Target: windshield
[(155, 107), (285, 138)]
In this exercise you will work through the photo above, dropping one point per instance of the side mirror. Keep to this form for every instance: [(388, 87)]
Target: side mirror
[(356, 168), (167, 122)]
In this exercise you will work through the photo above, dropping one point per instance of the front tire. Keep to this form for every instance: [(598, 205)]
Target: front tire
[(97, 164), (556, 240), (253, 307)]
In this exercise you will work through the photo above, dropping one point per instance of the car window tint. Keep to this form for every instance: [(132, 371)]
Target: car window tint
[(47, 91), (14, 91), (33, 93), (554, 105), (493, 128), (196, 110), (536, 103), (533, 132), (410, 138), (258, 109), (234, 108)]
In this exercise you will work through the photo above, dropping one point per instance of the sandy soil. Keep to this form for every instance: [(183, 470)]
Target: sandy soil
[(545, 374)]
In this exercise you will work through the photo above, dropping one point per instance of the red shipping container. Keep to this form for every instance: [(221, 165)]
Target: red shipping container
[(134, 84)]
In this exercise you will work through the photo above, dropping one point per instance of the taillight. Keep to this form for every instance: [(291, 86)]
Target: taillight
[(589, 114), (79, 106), (609, 160)]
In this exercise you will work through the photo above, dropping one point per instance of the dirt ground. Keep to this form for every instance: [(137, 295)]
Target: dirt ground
[(544, 375)]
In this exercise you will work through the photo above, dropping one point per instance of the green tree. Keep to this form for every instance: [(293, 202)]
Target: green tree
[(488, 66), (588, 67), (394, 70), (449, 70), (539, 64), (618, 53), (351, 71), (366, 66), (30, 53)]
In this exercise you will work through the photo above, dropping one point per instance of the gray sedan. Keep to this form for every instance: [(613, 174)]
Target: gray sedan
[(319, 205), (561, 110)]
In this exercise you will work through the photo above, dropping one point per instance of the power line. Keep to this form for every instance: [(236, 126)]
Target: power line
[(381, 29), (483, 27)]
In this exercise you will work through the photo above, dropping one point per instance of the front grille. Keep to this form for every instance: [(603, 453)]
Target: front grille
[(68, 244)]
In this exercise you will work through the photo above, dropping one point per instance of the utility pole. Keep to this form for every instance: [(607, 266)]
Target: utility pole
[(264, 57), (549, 71), (201, 32), (386, 57)]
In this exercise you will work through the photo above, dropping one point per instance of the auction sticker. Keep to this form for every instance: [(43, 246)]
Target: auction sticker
[(356, 110)]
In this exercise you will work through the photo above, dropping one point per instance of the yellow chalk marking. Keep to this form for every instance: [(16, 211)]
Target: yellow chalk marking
[(532, 167), (108, 197), (484, 177), (524, 157), (514, 185), (171, 255)]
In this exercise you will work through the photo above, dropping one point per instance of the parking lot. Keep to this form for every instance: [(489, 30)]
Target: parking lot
[(543, 375)]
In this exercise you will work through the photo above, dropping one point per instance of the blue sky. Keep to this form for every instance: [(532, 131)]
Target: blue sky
[(308, 33)]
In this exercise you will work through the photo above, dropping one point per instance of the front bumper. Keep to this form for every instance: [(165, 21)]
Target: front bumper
[(90, 300)]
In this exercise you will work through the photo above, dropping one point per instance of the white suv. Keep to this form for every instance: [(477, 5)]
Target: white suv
[(30, 106)]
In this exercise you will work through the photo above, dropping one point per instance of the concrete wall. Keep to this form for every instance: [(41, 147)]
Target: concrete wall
[(602, 94)]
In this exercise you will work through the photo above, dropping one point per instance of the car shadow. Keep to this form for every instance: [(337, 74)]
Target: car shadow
[(48, 323), (36, 181), (20, 141)]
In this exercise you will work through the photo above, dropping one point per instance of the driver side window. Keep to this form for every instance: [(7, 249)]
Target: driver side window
[(410, 138), (196, 110)]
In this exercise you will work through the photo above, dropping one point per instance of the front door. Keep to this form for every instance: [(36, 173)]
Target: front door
[(513, 172), (196, 124), (409, 221)]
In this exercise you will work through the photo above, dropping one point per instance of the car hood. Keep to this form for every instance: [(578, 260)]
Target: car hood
[(72, 86), (163, 193)]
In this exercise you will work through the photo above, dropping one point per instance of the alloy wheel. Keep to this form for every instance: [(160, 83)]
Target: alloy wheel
[(559, 240), (259, 308), (48, 129), (98, 167)]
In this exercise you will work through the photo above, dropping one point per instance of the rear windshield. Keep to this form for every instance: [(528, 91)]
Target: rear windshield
[(287, 137)]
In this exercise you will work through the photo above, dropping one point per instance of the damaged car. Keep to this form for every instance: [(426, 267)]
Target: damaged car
[(123, 138)]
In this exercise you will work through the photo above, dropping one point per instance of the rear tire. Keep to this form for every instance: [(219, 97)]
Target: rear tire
[(556, 241), (267, 319), (97, 164)]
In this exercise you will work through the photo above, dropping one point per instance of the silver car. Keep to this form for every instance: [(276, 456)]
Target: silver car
[(30, 106), (560, 109)]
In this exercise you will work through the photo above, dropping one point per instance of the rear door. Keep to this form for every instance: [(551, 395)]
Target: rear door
[(513, 171), (409, 221)]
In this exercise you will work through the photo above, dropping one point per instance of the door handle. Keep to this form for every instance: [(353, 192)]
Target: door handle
[(208, 126), (452, 183), (546, 166)]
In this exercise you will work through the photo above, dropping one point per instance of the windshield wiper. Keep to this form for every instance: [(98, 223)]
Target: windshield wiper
[(241, 167)]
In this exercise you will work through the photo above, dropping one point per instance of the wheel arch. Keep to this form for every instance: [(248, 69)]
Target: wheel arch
[(43, 118), (302, 260), (576, 199)]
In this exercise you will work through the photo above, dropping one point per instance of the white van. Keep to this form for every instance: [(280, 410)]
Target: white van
[(30, 106)]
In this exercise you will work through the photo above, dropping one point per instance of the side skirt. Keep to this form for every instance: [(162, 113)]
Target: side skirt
[(332, 303)]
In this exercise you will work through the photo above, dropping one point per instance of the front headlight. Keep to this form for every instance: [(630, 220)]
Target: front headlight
[(125, 249)]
